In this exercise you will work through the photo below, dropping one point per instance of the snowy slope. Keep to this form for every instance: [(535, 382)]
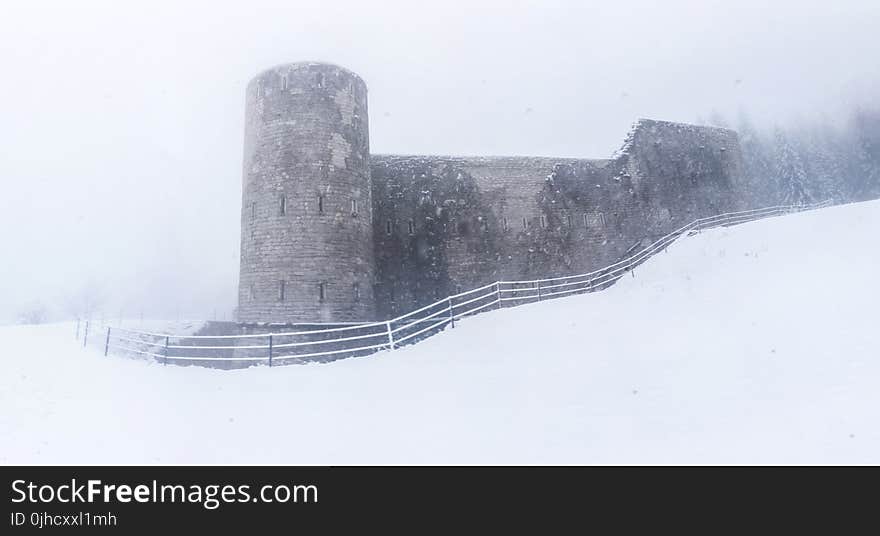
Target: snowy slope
[(757, 343)]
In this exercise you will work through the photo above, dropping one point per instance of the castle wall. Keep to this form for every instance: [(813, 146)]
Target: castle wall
[(445, 224), (331, 234), (307, 198), (693, 171)]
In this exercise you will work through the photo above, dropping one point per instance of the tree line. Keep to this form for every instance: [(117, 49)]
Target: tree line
[(813, 161)]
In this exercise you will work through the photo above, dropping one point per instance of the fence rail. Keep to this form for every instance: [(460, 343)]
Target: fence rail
[(353, 340)]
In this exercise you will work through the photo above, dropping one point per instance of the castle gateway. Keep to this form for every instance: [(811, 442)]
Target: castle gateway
[(331, 233)]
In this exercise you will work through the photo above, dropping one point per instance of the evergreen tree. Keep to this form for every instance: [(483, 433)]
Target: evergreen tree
[(824, 163), (791, 175), (866, 125), (757, 164)]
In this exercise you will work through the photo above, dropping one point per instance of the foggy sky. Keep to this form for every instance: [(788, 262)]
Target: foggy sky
[(122, 122)]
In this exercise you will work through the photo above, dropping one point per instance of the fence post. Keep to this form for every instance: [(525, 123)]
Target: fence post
[(451, 314), (86, 334), (539, 290), (270, 349), (165, 354), (77, 328), (498, 293), (107, 342), (390, 335)]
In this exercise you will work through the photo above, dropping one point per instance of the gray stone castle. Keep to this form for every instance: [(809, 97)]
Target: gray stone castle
[(332, 233)]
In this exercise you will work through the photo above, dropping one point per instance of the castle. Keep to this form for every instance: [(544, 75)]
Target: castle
[(331, 233)]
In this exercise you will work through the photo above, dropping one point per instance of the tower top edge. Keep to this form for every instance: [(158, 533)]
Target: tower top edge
[(283, 68)]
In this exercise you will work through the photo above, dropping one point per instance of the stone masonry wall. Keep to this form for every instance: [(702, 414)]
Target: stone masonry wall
[(307, 198), (350, 237), (445, 224)]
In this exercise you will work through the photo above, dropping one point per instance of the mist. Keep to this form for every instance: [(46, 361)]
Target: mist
[(123, 122)]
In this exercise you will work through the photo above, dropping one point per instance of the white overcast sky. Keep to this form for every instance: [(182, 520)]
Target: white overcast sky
[(122, 121)]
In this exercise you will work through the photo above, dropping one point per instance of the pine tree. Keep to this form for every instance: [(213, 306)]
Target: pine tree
[(757, 165), (824, 162), (866, 127), (791, 175)]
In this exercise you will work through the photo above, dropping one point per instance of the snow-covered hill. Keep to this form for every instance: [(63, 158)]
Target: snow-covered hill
[(757, 343)]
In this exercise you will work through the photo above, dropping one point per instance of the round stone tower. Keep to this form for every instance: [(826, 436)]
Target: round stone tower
[(306, 231)]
